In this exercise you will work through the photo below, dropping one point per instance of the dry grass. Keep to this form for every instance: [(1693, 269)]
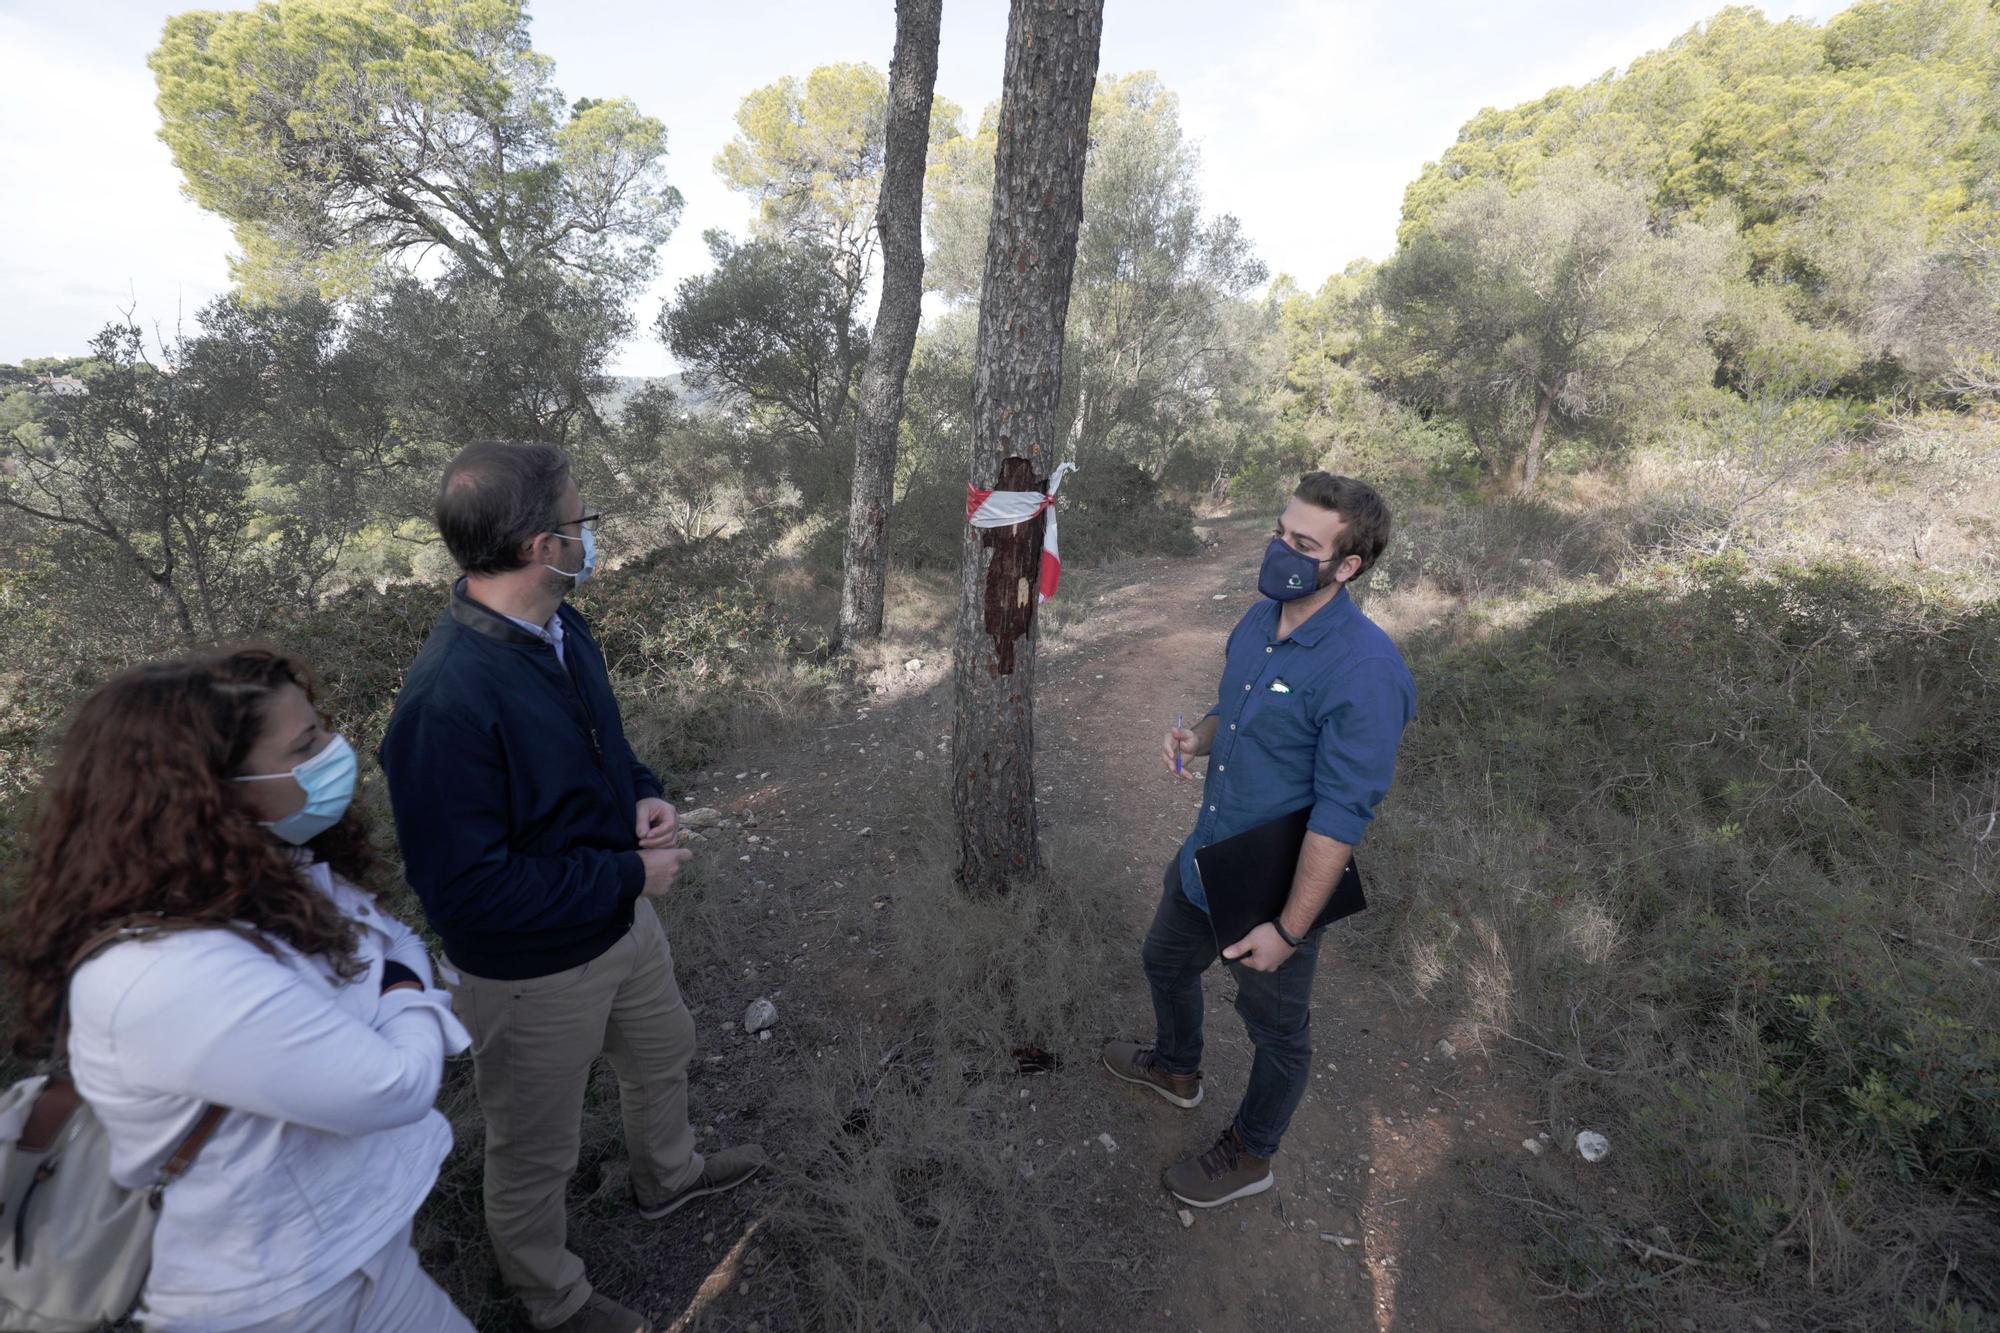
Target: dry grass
[(1917, 494), (920, 1191)]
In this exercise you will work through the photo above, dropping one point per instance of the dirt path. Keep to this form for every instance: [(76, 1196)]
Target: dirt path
[(1375, 1223)]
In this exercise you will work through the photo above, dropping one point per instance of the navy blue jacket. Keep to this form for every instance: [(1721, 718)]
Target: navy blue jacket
[(514, 792)]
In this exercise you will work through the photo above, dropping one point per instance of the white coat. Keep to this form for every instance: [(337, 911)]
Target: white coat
[(332, 1140)]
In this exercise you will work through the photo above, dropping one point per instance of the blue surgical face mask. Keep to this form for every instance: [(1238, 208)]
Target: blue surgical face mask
[(582, 576), (1287, 575), (328, 782)]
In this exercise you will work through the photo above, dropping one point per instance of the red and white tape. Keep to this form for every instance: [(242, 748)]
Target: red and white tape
[(1004, 509)]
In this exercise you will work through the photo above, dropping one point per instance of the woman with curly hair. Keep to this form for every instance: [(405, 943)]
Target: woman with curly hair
[(208, 790)]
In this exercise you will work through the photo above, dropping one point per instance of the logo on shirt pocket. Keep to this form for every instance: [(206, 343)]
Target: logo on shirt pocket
[(1281, 715)]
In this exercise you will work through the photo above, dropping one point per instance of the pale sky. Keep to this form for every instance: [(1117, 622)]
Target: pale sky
[(1312, 115)]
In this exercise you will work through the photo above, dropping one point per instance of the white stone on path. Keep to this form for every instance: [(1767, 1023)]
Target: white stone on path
[(761, 1014)]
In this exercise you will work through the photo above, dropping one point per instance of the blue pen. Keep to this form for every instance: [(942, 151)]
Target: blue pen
[(1180, 723)]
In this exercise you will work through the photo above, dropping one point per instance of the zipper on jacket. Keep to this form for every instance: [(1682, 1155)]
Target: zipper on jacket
[(589, 718), (591, 721)]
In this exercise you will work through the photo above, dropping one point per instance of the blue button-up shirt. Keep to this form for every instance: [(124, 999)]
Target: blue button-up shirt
[(1311, 719)]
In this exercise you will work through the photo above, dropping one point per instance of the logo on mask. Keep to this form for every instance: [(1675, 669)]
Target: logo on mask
[(1287, 575)]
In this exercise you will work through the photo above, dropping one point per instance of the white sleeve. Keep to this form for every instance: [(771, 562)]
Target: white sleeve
[(407, 947), (247, 1032)]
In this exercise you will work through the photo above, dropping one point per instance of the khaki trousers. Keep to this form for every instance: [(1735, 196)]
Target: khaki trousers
[(533, 1044)]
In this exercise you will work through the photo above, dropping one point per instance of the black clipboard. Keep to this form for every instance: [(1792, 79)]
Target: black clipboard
[(1248, 878)]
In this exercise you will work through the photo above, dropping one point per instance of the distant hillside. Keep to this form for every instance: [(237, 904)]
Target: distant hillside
[(625, 387)]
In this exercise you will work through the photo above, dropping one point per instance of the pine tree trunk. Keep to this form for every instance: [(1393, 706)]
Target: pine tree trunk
[(1052, 48), (1531, 462), (899, 218)]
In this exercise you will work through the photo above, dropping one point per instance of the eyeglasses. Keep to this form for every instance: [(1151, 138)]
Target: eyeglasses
[(590, 516)]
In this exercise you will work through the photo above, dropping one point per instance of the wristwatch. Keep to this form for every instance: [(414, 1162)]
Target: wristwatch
[(1283, 934)]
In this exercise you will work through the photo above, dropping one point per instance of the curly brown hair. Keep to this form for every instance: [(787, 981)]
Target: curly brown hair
[(140, 817)]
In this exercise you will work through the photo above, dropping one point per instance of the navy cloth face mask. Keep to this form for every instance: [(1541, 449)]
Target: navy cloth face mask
[(1287, 575)]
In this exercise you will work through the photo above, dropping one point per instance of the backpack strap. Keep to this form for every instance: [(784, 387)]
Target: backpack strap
[(147, 925), (190, 1147), (59, 1099), (54, 1105), (139, 928)]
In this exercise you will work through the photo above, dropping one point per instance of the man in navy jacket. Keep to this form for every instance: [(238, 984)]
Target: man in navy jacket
[(531, 831)]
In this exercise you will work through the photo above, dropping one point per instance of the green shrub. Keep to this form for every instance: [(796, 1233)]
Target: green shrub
[(1496, 547), (927, 530), (1114, 508)]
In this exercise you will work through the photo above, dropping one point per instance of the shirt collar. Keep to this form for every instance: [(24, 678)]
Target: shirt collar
[(1321, 622), (551, 631), (476, 615)]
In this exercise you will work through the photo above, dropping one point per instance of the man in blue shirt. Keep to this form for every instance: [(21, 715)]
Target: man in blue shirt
[(1313, 702)]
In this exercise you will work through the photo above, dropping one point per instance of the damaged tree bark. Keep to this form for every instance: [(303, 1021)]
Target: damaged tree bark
[(1052, 50)]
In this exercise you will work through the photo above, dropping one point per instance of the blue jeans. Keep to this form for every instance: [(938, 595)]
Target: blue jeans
[(1276, 1008)]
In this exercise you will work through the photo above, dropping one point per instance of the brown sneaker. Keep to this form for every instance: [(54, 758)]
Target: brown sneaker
[(720, 1171), (1226, 1171), (1137, 1064), (602, 1315)]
